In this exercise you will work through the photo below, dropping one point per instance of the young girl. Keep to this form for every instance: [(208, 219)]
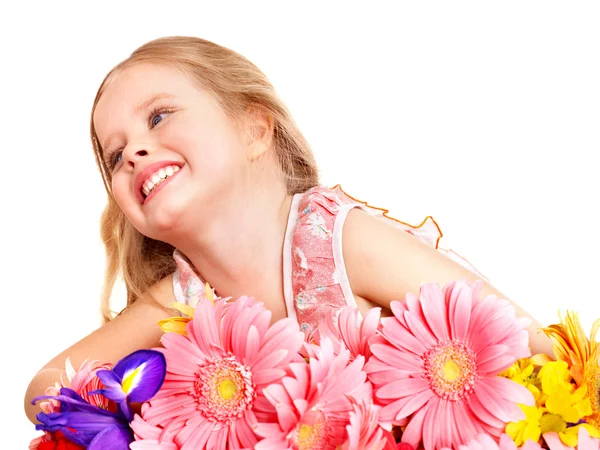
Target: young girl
[(209, 179)]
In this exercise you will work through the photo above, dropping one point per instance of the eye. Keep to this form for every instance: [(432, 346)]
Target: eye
[(157, 115), (116, 158), (156, 119)]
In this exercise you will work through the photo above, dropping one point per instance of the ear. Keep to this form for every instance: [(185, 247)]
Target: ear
[(258, 131)]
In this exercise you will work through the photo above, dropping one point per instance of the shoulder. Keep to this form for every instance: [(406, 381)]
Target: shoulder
[(385, 262), (318, 208), (160, 294), (321, 197)]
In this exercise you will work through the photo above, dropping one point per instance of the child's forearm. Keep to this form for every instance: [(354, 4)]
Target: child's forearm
[(538, 341), (44, 379)]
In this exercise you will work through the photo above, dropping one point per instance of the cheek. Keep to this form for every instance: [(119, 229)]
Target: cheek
[(215, 158), (121, 193), (207, 146)]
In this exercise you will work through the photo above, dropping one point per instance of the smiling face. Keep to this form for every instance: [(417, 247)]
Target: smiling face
[(170, 147)]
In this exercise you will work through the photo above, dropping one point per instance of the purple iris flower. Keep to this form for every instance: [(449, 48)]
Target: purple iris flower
[(135, 378), (89, 426)]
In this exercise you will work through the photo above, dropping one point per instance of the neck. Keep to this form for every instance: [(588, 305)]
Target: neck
[(238, 251)]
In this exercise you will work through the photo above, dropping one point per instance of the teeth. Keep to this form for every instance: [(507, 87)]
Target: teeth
[(157, 177)]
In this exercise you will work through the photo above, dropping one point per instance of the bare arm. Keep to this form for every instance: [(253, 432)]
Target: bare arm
[(384, 263), (135, 329)]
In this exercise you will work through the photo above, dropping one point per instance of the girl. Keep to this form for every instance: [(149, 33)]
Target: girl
[(209, 178)]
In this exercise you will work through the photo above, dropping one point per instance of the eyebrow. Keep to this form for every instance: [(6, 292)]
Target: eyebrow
[(137, 110)]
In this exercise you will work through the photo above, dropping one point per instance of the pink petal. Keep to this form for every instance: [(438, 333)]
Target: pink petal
[(272, 444), (414, 430), (267, 376), (285, 329), (464, 422), (402, 388), (496, 405), (432, 302), (276, 394), (430, 437), (506, 443), (447, 426), (459, 309), (194, 434), (267, 430), (396, 358), (246, 436), (294, 388), (419, 329), (398, 309), (491, 352), (483, 414), (370, 323), (408, 405), (401, 338), (287, 419), (511, 391), (497, 365), (271, 360)]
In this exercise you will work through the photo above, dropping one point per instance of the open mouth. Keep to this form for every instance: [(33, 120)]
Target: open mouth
[(157, 178)]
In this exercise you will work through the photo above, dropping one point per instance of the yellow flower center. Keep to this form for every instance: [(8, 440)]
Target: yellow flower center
[(304, 433), (451, 370), (313, 432), (223, 389), (592, 381), (227, 389), (552, 422)]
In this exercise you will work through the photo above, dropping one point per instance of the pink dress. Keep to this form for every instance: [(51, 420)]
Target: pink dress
[(314, 275)]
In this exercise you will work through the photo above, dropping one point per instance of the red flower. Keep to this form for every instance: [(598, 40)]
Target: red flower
[(53, 441)]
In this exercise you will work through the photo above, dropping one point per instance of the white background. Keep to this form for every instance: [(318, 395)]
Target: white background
[(485, 116)]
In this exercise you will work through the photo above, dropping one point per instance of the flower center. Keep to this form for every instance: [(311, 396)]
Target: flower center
[(227, 389), (591, 380), (552, 422), (223, 389), (312, 432), (451, 369)]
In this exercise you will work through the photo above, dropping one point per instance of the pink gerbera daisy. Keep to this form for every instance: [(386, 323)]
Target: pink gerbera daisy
[(213, 391), (585, 441), (85, 380), (346, 328), (82, 382), (151, 437), (436, 363), (314, 403), (364, 432), (486, 442)]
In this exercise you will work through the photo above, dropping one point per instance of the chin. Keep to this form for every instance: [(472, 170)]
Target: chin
[(162, 224)]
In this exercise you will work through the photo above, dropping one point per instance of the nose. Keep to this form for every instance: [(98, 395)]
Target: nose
[(134, 154)]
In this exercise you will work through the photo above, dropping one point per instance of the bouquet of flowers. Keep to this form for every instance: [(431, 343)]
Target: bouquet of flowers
[(449, 369)]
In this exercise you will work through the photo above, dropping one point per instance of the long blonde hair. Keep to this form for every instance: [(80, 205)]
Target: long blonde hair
[(236, 83)]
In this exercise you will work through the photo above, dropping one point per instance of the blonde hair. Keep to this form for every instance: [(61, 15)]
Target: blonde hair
[(236, 83)]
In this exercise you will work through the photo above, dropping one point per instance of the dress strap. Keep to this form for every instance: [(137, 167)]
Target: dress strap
[(313, 287), (188, 287)]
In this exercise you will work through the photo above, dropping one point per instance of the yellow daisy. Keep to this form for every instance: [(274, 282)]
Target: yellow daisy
[(178, 324), (583, 357)]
